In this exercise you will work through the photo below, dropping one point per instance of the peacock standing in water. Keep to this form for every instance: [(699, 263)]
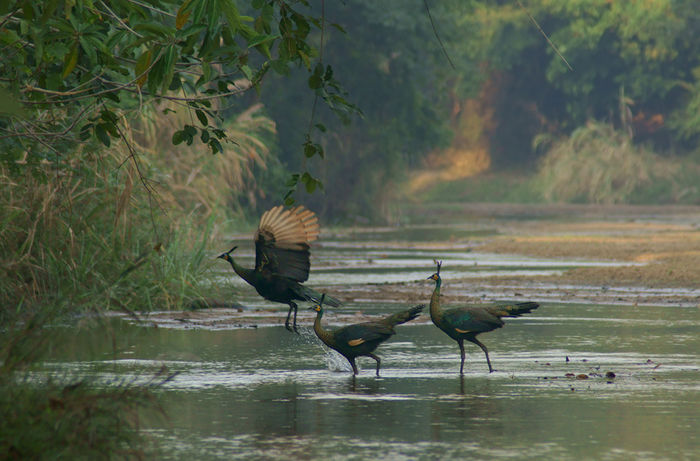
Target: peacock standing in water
[(282, 259), (467, 322), (362, 339)]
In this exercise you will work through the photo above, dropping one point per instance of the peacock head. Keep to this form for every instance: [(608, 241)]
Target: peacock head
[(227, 256), (319, 307), (436, 275)]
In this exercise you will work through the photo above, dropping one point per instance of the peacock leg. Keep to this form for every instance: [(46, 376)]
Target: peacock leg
[(354, 367), (295, 318), (486, 351), (375, 358), (461, 350), (292, 307)]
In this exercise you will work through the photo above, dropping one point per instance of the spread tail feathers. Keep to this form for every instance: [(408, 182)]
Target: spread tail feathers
[(513, 310), (403, 316), (289, 229)]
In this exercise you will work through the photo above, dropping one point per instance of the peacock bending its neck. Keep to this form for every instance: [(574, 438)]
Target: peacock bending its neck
[(323, 334)]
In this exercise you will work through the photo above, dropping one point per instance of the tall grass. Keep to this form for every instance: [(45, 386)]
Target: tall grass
[(598, 164), (102, 229), (204, 184)]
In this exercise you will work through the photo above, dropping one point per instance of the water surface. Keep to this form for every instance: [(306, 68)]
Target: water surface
[(267, 393), (264, 393)]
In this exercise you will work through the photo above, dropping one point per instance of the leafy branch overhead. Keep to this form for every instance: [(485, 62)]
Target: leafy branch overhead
[(80, 68)]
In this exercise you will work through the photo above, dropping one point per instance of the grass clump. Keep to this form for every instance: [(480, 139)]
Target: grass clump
[(73, 421), (126, 228), (598, 164)]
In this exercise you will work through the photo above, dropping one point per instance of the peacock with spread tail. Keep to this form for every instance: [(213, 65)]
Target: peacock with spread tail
[(467, 322), (282, 259), (361, 339)]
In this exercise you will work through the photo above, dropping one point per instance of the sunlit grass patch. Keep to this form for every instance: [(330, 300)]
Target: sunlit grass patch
[(599, 164)]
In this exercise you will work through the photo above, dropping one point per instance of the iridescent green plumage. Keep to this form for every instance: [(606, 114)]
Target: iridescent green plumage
[(282, 259), (362, 339), (467, 322)]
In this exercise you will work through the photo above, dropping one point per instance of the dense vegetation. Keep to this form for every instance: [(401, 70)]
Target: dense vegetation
[(131, 131)]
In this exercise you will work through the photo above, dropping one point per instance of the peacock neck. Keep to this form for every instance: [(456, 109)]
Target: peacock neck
[(245, 273), (324, 335), (435, 309)]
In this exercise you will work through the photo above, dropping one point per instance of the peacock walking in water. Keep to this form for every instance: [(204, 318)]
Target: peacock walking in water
[(282, 259), (362, 339), (467, 322)]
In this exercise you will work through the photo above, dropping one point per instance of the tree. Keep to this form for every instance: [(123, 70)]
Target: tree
[(77, 71)]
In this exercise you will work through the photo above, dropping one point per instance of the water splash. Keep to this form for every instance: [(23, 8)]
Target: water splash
[(334, 361)]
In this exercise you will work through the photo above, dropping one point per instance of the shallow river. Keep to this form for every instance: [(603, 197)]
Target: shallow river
[(264, 393)]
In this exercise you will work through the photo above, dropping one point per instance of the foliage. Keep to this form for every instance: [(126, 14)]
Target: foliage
[(77, 241), (71, 421), (222, 185), (82, 69), (395, 71), (648, 48), (597, 164)]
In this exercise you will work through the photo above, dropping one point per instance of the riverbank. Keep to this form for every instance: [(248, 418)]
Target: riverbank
[(608, 255)]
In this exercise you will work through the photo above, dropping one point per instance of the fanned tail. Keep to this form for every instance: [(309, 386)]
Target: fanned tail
[(513, 310), (403, 316), (309, 294), (289, 229)]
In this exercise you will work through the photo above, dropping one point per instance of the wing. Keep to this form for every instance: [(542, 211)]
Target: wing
[(354, 335), (472, 320), (282, 242)]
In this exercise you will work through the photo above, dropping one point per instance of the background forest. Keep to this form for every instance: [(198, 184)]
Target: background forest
[(133, 133)]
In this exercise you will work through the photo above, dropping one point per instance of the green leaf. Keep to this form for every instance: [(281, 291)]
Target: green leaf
[(85, 132), (191, 30), (108, 116), (178, 137), (154, 28), (70, 61), (89, 50), (293, 181), (183, 14), (102, 134), (339, 27), (305, 58), (233, 17), (141, 66), (315, 82), (169, 67), (310, 182), (215, 146), (202, 117), (309, 149)]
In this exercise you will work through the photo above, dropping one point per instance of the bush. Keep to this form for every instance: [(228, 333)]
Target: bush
[(599, 164)]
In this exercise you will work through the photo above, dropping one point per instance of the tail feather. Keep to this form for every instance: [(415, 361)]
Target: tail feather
[(309, 294), (403, 316), (513, 310)]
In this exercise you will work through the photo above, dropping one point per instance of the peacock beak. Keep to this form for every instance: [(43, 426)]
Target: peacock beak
[(226, 256)]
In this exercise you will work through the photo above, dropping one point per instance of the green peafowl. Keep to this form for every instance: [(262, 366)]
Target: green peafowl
[(466, 322), (282, 259), (362, 339)]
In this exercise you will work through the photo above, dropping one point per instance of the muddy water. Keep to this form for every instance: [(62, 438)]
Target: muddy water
[(263, 393)]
